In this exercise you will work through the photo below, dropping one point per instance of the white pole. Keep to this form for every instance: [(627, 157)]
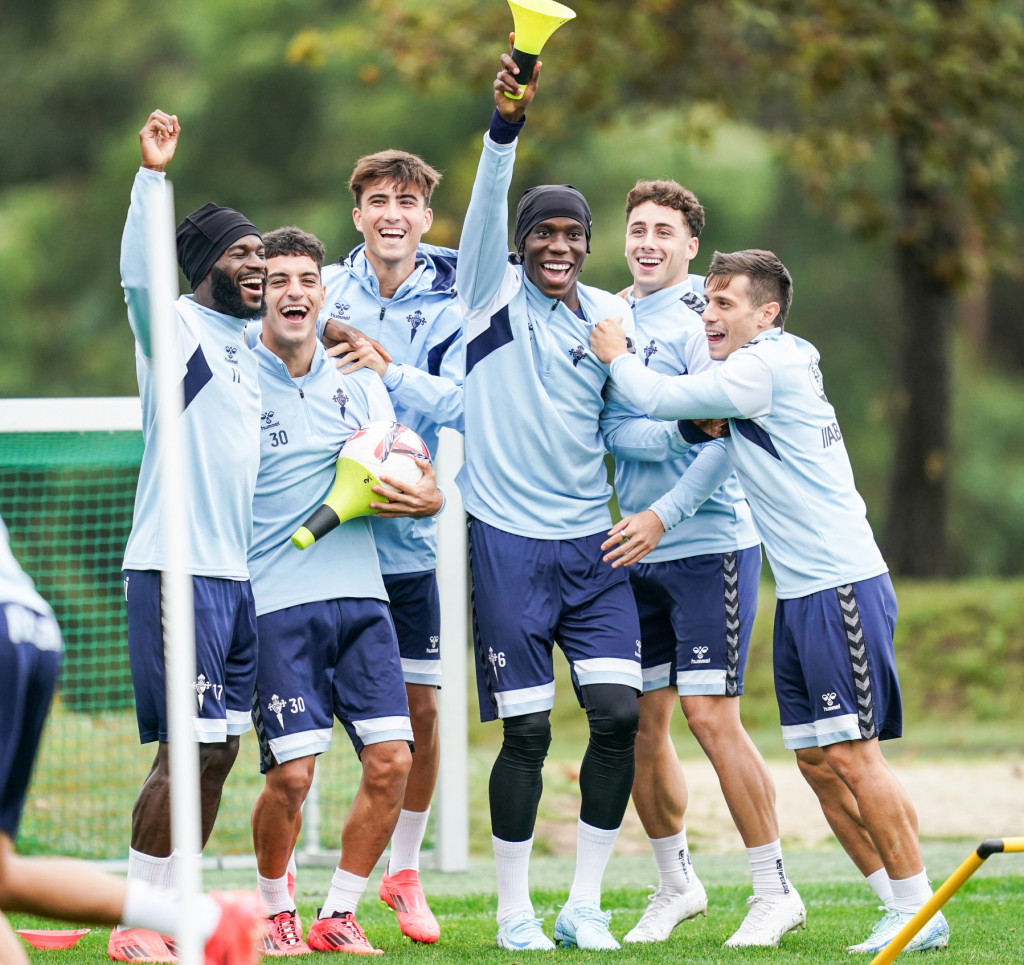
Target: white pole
[(176, 584), (452, 823)]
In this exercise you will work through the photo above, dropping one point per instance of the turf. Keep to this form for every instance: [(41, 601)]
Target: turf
[(985, 915)]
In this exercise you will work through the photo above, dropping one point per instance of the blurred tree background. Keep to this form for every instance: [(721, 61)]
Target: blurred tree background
[(872, 145)]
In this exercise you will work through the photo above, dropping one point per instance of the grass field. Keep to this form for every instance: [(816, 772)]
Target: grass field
[(986, 916)]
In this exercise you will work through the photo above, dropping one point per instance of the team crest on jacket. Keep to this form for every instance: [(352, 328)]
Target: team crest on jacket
[(817, 382), (342, 401), (577, 353), (651, 348), (415, 320)]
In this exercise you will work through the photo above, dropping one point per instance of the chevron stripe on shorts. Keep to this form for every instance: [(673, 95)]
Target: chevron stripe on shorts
[(858, 660), (732, 623)]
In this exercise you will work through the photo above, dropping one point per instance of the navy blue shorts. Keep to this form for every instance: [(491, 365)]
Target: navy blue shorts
[(318, 661), (696, 615), (30, 652), (529, 594), (225, 628), (416, 610), (835, 668)]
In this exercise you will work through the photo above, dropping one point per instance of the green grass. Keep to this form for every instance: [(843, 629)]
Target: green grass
[(986, 915)]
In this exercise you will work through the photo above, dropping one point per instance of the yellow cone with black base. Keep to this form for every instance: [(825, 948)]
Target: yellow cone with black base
[(350, 496), (535, 21)]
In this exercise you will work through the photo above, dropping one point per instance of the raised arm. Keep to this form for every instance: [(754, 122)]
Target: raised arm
[(158, 140), (483, 248)]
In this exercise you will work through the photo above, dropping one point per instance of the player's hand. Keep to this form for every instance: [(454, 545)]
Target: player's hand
[(159, 140), (716, 428), (608, 339), (508, 79), (335, 332), (421, 498), (632, 538), (358, 355)]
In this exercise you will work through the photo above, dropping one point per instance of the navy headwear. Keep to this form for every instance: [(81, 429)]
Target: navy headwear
[(205, 235), (550, 201)]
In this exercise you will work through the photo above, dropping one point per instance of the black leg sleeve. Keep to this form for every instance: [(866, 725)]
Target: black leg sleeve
[(606, 775), (516, 781)]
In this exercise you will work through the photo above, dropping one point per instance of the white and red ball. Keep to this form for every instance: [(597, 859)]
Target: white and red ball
[(387, 448)]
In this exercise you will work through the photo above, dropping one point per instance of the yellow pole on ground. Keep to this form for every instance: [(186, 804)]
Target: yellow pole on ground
[(948, 888)]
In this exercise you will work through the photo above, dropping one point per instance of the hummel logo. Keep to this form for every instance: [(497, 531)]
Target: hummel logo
[(700, 655), (340, 311), (267, 420), (230, 351), (830, 701)]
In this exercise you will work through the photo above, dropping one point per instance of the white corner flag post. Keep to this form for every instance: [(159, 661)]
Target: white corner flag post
[(176, 583)]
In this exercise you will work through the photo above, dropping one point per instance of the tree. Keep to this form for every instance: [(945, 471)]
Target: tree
[(928, 86)]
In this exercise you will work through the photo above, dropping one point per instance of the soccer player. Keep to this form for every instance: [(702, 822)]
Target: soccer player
[(696, 593), (535, 486), (30, 654), (835, 668), (221, 254), (327, 641), (401, 292)]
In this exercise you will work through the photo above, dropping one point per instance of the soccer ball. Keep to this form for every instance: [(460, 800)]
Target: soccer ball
[(387, 448)]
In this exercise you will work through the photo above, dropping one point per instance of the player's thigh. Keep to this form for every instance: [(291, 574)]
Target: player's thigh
[(516, 608), (599, 629), (293, 706), (29, 666), (416, 611), (840, 642), (369, 687), (714, 605), (657, 633)]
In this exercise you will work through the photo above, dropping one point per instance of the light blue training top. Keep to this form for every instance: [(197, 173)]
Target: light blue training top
[(696, 496), (537, 416), (220, 422), (304, 423), (421, 327), (788, 452)]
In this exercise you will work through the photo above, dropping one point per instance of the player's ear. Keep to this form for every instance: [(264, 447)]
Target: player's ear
[(428, 219), (357, 219), (768, 313)]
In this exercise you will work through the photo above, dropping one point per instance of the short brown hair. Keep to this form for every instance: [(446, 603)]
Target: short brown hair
[(293, 241), (669, 194), (395, 167), (767, 277)]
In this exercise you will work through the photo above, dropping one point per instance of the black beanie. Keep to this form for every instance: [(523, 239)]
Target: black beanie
[(550, 201), (205, 235)]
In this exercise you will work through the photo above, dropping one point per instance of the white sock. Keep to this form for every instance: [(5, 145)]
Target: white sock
[(880, 885), (767, 869), (346, 890), (406, 841), (512, 863), (672, 856), (593, 849), (910, 894), (149, 868), (274, 893), (159, 910)]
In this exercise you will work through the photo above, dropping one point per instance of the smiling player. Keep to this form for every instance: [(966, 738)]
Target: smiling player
[(535, 486), (221, 255), (835, 667), (327, 641)]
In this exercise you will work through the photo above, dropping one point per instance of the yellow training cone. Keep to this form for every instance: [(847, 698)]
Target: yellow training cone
[(535, 21), (350, 496)]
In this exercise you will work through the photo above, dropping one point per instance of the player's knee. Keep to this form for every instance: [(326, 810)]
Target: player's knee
[(613, 714), (386, 768), (526, 738), (290, 782), (217, 759)]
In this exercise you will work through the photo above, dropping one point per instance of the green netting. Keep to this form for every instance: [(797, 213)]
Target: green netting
[(67, 500)]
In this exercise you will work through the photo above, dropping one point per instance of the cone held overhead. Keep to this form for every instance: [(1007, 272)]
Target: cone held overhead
[(535, 21)]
